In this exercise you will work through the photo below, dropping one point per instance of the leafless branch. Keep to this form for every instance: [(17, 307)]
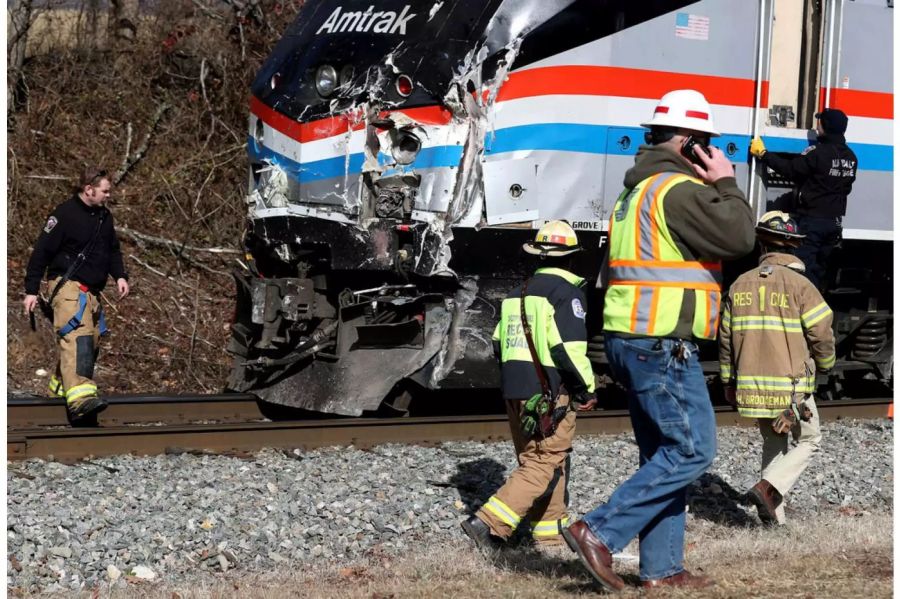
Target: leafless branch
[(134, 158), (194, 324), (200, 339), (173, 243), (127, 155), (208, 11), (159, 272)]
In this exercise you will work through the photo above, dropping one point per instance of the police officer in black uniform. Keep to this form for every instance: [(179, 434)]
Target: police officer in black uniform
[(823, 176), (78, 249)]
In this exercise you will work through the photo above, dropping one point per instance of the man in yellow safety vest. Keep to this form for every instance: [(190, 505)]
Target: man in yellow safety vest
[(774, 335), (680, 214)]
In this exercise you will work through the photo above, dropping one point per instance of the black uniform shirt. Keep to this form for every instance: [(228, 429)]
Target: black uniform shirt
[(66, 233), (823, 173)]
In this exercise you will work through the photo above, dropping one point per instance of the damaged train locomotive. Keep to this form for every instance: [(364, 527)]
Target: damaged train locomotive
[(402, 151)]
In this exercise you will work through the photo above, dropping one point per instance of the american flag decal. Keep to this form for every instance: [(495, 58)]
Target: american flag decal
[(691, 27)]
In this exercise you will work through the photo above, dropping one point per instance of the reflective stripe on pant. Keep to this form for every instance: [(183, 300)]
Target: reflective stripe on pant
[(536, 491), (78, 348), (548, 529), (782, 465), (56, 386)]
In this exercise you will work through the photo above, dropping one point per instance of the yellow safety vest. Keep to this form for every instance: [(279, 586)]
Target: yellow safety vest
[(648, 275)]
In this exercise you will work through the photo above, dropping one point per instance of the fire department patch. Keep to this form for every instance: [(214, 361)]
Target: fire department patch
[(51, 222), (577, 308), (807, 150)]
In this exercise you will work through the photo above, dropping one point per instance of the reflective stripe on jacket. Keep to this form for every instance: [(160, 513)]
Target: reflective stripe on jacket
[(555, 309), (774, 334), (648, 275)]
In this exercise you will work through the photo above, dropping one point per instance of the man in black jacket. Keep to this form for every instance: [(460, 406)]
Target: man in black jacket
[(78, 249), (823, 176)]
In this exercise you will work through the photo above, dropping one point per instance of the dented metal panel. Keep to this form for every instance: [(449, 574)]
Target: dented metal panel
[(450, 130)]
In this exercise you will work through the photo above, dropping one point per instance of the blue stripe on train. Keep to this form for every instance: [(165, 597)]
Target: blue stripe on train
[(329, 168), (562, 137), (624, 141)]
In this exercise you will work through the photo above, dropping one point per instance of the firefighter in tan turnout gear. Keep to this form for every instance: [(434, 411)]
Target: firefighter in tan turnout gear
[(78, 249), (544, 373), (774, 335)]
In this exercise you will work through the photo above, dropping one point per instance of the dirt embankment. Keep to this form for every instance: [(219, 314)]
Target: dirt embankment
[(167, 116)]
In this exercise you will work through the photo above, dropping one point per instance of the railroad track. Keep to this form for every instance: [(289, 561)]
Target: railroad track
[(67, 444), (30, 411)]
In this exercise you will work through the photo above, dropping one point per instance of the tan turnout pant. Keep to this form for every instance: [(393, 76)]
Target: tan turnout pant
[(782, 465), (73, 379), (536, 491)]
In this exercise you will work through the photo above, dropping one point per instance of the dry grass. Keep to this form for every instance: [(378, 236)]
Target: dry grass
[(831, 556)]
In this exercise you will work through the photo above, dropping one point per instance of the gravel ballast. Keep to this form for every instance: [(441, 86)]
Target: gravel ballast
[(177, 517)]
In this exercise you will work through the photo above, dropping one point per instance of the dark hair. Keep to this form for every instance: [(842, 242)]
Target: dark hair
[(564, 262), (658, 135), (92, 175)]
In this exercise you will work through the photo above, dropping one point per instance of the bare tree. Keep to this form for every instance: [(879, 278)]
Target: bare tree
[(16, 41), (123, 20)]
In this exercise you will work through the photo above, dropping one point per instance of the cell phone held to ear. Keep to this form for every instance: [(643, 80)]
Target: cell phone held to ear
[(687, 149)]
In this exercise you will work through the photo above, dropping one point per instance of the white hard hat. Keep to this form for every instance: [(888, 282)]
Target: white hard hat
[(555, 239), (683, 109)]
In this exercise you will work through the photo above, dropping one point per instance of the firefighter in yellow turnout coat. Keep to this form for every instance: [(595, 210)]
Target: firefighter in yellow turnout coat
[(774, 335), (536, 492)]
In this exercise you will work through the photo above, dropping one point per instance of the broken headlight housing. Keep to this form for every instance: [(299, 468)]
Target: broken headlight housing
[(326, 80), (405, 147), (346, 75)]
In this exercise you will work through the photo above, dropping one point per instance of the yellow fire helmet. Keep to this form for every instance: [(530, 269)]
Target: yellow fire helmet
[(779, 228), (556, 238)]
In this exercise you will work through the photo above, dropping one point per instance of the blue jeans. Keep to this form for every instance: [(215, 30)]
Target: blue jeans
[(675, 429)]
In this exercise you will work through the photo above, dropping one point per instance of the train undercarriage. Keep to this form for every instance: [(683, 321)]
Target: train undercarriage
[(333, 319)]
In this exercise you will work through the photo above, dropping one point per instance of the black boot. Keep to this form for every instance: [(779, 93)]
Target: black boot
[(85, 414), (479, 532)]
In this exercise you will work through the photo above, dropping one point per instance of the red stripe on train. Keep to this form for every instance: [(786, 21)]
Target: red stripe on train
[(590, 80), (856, 102), (337, 125), (557, 80)]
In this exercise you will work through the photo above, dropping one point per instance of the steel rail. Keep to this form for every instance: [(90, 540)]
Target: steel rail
[(70, 444), (24, 411)]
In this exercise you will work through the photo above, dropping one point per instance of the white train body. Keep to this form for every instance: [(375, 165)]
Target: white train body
[(519, 112)]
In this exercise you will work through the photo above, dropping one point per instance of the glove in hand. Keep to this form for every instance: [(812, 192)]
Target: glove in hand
[(757, 147), (785, 421)]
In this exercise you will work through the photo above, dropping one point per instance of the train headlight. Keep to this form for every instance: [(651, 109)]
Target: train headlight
[(404, 85), (405, 147), (326, 80)]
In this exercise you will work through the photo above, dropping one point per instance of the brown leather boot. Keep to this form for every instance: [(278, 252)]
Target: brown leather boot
[(683, 579), (593, 554), (766, 498)]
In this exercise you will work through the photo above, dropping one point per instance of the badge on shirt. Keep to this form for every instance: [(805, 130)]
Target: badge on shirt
[(807, 150), (577, 308), (51, 222)]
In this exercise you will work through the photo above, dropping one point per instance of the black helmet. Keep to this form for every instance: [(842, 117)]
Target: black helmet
[(778, 228)]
